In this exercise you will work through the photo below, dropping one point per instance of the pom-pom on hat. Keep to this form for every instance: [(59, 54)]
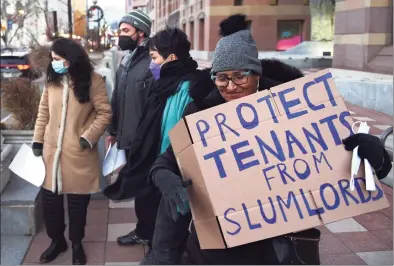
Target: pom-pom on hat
[(237, 48)]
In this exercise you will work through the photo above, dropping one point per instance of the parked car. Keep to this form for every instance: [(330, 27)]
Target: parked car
[(14, 62)]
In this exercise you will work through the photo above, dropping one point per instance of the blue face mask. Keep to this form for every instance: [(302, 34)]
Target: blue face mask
[(155, 69), (58, 67)]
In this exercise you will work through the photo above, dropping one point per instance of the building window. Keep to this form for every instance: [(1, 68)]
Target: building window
[(289, 34), (238, 2)]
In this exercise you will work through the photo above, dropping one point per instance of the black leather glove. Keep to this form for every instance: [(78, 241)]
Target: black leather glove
[(370, 148), (37, 148), (173, 190), (84, 144)]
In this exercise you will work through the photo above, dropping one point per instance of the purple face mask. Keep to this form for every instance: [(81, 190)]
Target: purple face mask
[(155, 69)]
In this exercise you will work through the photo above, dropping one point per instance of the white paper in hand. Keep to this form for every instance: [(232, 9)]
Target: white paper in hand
[(114, 160), (356, 161), (28, 167)]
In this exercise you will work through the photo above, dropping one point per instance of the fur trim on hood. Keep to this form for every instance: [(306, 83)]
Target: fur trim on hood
[(276, 72), (201, 85)]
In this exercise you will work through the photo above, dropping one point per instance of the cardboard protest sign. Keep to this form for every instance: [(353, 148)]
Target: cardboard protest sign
[(271, 163)]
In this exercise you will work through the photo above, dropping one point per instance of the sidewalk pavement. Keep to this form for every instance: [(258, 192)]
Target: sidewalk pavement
[(362, 240)]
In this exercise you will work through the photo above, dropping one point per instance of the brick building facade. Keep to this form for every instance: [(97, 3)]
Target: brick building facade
[(270, 20), (364, 35)]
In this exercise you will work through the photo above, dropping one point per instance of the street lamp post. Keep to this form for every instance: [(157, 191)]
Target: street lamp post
[(70, 19)]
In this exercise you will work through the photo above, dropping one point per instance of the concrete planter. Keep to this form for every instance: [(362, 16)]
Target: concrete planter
[(17, 138), (6, 159), (21, 208)]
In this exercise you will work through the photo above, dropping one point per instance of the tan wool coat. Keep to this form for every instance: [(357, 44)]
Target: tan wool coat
[(61, 121)]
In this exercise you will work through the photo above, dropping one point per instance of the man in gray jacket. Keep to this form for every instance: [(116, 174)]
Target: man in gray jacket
[(132, 85)]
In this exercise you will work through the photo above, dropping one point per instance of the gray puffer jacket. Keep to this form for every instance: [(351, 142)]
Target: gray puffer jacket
[(133, 82)]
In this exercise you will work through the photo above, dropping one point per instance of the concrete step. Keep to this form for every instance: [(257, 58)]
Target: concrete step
[(21, 211), (388, 50), (383, 61), (13, 249)]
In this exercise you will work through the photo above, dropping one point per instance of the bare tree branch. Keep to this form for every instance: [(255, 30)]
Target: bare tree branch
[(33, 38), (16, 31)]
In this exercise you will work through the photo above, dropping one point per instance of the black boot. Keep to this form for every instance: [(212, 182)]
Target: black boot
[(131, 239), (79, 257), (55, 249)]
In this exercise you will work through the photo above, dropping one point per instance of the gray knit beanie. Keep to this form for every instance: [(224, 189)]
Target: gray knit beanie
[(236, 51), (139, 20)]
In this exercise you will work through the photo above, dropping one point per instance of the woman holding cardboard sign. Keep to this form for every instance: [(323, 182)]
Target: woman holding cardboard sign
[(237, 73), (73, 114)]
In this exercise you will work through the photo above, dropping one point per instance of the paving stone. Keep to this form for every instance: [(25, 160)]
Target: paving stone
[(386, 236), (116, 230), (330, 244), (388, 212), (98, 204), (323, 229), (116, 253), (346, 225), (121, 216), (95, 253), (121, 204), (375, 221), (341, 259), (362, 242), (97, 216), (377, 257), (96, 233)]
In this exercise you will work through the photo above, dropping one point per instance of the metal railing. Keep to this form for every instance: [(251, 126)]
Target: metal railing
[(383, 138)]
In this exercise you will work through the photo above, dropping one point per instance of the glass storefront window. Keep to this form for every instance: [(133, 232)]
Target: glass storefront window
[(289, 34)]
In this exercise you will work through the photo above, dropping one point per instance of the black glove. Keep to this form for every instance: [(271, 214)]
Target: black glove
[(370, 148), (173, 190), (84, 144), (37, 148)]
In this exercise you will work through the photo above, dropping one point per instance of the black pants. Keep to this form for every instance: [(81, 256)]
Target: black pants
[(169, 240), (54, 215), (146, 210)]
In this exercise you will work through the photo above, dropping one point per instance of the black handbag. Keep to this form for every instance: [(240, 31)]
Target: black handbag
[(301, 248)]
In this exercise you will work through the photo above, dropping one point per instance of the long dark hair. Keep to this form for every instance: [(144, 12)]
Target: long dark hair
[(80, 69)]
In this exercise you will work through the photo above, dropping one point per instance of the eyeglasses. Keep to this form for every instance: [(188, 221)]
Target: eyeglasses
[(222, 80)]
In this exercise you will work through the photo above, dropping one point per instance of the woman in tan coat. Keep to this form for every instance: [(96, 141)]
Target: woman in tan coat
[(73, 114)]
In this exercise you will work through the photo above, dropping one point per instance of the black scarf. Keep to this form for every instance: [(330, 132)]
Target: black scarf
[(145, 146)]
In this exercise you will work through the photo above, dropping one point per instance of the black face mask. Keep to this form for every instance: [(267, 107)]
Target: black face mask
[(127, 43)]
